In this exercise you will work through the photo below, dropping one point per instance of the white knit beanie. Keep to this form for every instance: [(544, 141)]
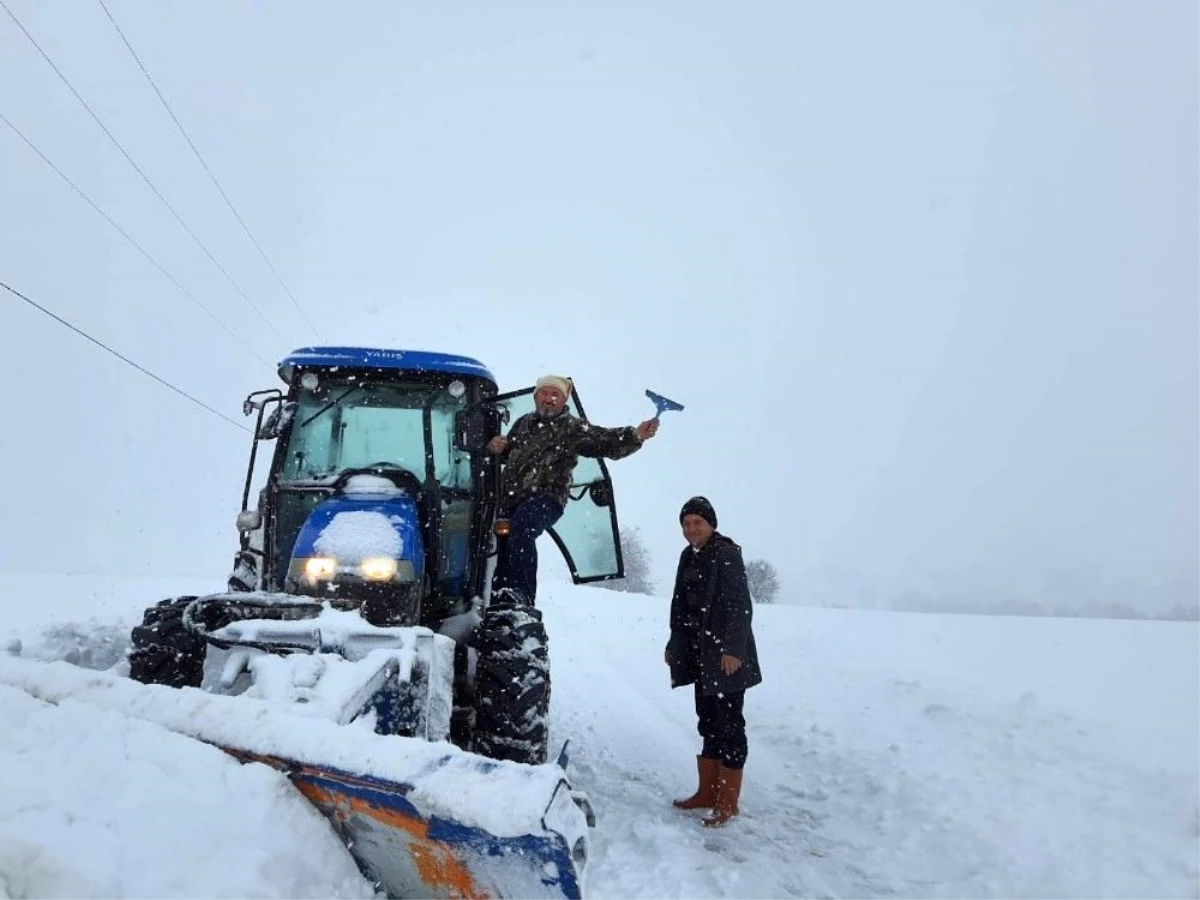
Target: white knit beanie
[(557, 382)]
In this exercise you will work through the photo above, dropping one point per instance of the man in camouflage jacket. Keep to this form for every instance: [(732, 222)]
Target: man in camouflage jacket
[(539, 454)]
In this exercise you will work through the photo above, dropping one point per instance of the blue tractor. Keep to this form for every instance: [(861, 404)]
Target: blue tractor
[(360, 592)]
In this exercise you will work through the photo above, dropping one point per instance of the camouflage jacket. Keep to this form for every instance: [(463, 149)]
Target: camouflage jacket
[(542, 453)]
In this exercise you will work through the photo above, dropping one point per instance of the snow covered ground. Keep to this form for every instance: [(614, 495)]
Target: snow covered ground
[(891, 754)]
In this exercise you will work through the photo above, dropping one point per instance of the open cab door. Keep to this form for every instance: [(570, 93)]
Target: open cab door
[(587, 533)]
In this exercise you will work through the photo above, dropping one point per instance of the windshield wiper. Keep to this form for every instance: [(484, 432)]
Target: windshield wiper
[(332, 403)]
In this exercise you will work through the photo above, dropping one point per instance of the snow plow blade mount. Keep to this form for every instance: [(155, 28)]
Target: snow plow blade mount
[(421, 819)]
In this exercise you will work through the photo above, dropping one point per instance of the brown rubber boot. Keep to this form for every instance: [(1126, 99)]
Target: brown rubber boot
[(706, 794), (729, 790)]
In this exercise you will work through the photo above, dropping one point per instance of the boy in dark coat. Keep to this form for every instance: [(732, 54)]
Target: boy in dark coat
[(712, 647)]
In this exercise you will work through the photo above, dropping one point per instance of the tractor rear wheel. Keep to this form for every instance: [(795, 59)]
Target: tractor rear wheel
[(512, 682), (164, 651)]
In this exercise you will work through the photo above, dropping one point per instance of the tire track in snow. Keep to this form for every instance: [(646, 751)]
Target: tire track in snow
[(862, 781), (643, 846)]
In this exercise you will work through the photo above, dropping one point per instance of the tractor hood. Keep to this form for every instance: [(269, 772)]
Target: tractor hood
[(371, 521)]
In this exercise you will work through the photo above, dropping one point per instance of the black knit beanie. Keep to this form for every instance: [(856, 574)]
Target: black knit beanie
[(699, 506)]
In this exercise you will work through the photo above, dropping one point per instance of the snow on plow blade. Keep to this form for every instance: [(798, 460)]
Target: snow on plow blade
[(422, 819), (412, 853)]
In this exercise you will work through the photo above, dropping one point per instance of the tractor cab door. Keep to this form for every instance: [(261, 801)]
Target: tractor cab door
[(587, 533)]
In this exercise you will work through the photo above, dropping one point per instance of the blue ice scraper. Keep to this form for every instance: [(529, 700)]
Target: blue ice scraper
[(662, 404)]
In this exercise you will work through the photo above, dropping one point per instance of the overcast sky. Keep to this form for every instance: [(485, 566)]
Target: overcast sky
[(925, 275)]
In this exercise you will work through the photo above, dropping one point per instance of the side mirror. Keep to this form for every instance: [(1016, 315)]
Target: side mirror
[(474, 427), (249, 520), (259, 399)]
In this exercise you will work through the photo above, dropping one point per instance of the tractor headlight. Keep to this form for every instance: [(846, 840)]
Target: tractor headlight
[(319, 568), (379, 568)]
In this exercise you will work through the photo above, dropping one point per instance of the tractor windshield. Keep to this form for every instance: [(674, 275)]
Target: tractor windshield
[(351, 423)]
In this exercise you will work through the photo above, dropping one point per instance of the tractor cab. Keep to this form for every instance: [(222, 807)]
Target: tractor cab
[(381, 495)]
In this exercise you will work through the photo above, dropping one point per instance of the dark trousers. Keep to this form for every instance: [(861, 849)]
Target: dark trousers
[(723, 727), (516, 566)]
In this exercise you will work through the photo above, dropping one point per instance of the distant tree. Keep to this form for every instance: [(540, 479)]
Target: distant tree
[(1111, 609), (763, 581), (637, 578)]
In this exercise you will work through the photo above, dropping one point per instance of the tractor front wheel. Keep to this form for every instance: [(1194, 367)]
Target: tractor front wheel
[(512, 682)]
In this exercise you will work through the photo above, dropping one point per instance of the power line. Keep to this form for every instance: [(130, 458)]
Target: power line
[(237, 337), (121, 357), (204, 165), (145, 177)]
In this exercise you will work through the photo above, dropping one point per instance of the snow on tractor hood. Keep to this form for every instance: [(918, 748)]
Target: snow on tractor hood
[(375, 485)]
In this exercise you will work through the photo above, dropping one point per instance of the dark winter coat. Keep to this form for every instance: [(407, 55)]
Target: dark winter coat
[(711, 614), (542, 453)]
